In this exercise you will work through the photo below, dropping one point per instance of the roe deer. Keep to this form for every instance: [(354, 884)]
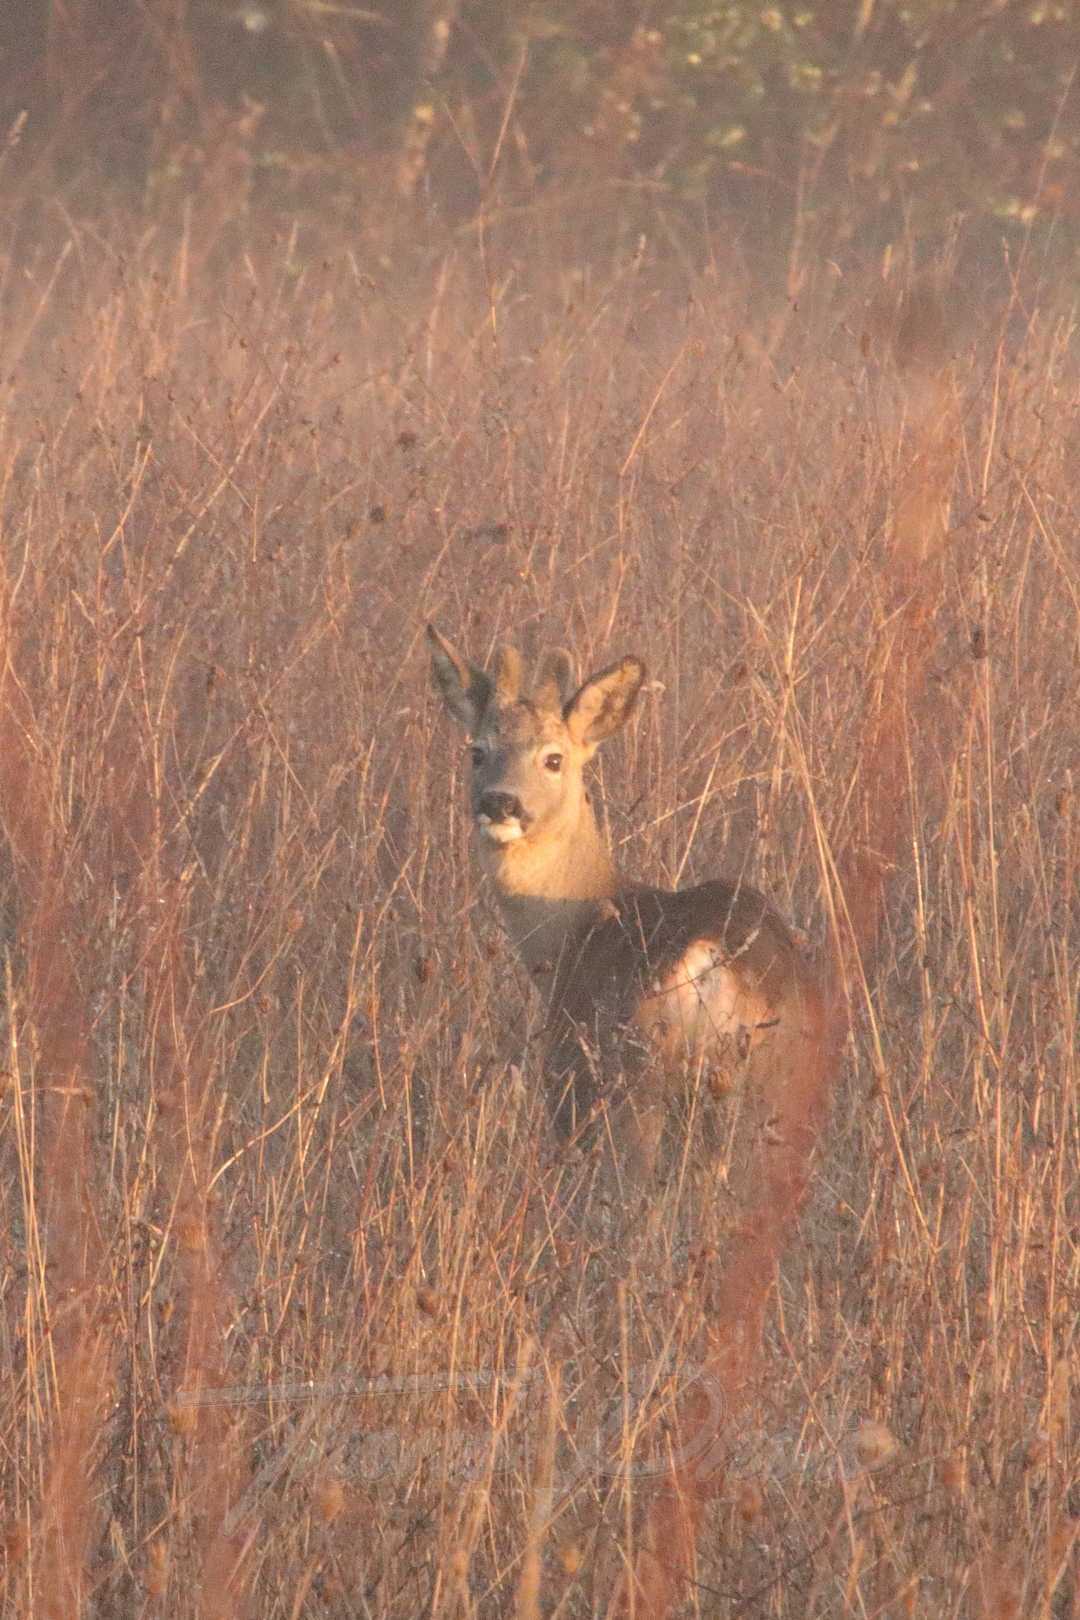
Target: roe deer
[(647, 989)]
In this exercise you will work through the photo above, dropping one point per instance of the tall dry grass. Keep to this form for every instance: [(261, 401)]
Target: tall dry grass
[(294, 1318)]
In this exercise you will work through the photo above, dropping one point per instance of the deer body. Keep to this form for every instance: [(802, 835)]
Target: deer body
[(648, 990)]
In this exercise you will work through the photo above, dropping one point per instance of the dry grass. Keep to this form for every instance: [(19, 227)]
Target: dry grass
[(294, 1318)]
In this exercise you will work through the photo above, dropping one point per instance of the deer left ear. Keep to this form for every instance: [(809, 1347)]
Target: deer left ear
[(603, 704), (465, 690)]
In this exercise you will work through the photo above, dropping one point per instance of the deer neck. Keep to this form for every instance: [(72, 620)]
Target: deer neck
[(551, 890)]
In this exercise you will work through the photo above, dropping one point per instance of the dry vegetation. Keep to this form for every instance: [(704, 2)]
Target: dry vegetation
[(294, 1318)]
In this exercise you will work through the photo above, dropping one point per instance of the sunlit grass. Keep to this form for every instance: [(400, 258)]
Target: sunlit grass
[(296, 1318)]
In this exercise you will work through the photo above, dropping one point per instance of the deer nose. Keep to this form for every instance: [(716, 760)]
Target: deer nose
[(501, 807)]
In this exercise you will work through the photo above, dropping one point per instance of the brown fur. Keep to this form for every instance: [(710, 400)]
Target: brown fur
[(648, 990)]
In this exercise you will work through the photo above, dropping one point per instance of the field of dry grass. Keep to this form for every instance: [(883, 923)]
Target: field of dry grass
[(295, 1318)]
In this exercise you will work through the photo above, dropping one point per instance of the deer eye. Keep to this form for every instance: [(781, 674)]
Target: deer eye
[(552, 763), (477, 756)]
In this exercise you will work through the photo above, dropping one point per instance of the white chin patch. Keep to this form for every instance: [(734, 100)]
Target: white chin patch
[(499, 832)]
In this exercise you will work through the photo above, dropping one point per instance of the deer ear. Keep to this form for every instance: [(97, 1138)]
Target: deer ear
[(603, 703), (464, 689)]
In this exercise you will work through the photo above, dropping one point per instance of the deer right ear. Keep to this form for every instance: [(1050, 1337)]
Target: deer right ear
[(464, 689), (604, 703)]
